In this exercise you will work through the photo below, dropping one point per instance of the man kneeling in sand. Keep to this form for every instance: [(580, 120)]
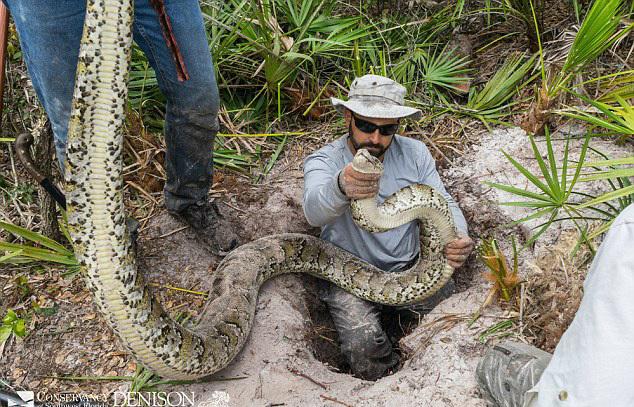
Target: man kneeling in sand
[(372, 115)]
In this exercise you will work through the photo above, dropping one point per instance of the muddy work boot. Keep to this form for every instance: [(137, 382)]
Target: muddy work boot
[(211, 227), (508, 370), (368, 351)]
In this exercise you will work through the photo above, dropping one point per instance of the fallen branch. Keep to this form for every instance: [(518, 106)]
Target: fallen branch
[(334, 400), (305, 376)]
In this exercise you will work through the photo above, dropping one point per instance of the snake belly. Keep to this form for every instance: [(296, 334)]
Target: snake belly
[(97, 226)]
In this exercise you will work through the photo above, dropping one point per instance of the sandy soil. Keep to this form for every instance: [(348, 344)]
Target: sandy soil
[(277, 366)]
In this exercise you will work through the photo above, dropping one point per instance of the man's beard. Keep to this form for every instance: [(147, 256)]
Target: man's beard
[(376, 150)]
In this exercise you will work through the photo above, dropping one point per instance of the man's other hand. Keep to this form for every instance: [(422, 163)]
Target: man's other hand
[(458, 250), (358, 185)]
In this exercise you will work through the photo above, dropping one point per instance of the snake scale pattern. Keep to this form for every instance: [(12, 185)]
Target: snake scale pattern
[(97, 226)]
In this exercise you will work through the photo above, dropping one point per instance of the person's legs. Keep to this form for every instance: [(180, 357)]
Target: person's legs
[(364, 344), (50, 33), (191, 118), (192, 106)]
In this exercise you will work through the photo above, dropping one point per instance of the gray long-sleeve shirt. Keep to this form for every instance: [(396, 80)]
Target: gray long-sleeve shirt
[(406, 161)]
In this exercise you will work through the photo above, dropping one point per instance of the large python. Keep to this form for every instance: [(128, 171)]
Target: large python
[(97, 226)]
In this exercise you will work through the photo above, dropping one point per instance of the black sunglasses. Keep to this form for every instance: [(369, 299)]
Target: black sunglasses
[(367, 127)]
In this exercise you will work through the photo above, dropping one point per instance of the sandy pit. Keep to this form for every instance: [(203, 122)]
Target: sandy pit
[(278, 366)]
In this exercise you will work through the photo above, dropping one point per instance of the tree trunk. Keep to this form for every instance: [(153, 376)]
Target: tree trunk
[(538, 115), (44, 157)]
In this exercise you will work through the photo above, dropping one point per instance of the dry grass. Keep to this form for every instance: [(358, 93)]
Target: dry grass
[(446, 136), (553, 292)]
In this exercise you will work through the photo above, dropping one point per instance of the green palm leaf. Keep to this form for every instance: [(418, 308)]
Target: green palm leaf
[(503, 85), (617, 119), (554, 193), (24, 253), (596, 34), (445, 70)]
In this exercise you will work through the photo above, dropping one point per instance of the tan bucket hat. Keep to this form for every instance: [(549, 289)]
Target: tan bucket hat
[(377, 97)]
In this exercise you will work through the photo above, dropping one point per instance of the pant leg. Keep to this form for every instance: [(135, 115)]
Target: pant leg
[(50, 33), (364, 343), (192, 106)]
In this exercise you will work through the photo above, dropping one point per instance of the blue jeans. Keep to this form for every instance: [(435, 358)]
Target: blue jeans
[(50, 33)]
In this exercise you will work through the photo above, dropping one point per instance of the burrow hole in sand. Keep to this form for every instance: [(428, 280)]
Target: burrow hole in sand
[(322, 336)]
